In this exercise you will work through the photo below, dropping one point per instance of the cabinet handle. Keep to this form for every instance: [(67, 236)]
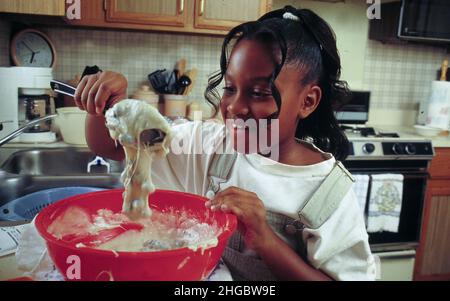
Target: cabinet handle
[(202, 7), (181, 7)]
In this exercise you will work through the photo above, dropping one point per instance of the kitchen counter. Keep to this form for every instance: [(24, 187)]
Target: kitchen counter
[(409, 132), (401, 122)]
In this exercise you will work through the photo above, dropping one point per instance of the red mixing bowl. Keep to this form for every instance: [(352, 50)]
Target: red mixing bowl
[(88, 264)]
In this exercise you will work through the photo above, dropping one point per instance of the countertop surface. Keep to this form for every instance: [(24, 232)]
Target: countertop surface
[(408, 132)]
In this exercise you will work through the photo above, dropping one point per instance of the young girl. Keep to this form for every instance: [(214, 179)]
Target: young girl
[(283, 68)]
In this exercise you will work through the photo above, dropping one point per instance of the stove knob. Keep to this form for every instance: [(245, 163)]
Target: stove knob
[(368, 148), (410, 149), (397, 148)]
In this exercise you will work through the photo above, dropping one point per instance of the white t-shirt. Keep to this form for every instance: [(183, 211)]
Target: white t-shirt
[(339, 247)]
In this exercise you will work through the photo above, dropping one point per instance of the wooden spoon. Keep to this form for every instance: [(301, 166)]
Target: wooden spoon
[(181, 67), (192, 74)]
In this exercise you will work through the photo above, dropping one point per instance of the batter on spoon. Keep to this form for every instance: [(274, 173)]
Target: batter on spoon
[(126, 121)]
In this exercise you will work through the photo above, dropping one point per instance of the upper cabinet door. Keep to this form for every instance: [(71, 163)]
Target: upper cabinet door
[(34, 7), (153, 12), (224, 15)]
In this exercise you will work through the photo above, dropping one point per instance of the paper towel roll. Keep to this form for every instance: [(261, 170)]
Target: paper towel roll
[(438, 114)]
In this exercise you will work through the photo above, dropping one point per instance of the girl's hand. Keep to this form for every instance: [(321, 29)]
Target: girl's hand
[(251, 214), (96, 91)]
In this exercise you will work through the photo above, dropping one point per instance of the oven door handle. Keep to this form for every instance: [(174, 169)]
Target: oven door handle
[(417, 176), (406, 175), (396, 254)]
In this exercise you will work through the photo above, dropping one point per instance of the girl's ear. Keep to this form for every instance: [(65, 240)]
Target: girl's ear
[(311, 100)]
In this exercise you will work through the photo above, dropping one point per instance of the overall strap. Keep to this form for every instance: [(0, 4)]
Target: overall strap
[(219, 169), (327, 198), (221, 165)]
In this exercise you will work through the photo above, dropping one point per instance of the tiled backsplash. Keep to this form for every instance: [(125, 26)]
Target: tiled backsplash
[(134, 54), (399, 76)]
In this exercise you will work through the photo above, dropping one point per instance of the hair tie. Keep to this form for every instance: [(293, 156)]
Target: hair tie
[(290, 16)]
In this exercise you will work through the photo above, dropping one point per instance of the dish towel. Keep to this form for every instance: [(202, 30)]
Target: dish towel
[(361, 188), (385, 203)]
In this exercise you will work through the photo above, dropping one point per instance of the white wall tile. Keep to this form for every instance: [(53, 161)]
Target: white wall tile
[(135, 54), (400, 76)]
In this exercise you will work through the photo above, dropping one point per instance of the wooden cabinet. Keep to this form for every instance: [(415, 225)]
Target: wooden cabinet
[(440, 166), (224, 15), (34, 7), (156, 12), (215, 17), (433, 254)]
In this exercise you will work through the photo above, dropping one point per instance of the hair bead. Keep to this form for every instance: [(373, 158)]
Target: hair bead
[(290, 16)]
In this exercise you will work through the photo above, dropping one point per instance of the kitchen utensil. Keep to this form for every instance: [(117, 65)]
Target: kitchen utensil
[(157, 265), (71, 122), (89, 70), (148, 136), (158, 81), (163, 81), (192, 74), (181, 67), (183, 82), (172, 82)]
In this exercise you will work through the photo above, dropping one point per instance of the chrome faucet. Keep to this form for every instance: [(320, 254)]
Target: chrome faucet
[(23, 128)]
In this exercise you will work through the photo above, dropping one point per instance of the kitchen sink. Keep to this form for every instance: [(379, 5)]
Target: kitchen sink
[(13, 187), (29, 171), (61, 161)]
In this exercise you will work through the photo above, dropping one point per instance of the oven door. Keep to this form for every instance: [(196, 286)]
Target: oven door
[(407, 237)]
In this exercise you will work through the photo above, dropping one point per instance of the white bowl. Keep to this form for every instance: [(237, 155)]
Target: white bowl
[(71, 122), (427, 131)]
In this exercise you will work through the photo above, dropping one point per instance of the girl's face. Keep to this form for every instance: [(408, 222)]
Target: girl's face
[(248, 96)]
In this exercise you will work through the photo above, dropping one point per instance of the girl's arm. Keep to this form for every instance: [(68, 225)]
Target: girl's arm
[(95, 93), (284, 262), (99, 141)]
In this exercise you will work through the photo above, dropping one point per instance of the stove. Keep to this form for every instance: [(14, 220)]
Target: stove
[(368, 144), (372, 152)]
